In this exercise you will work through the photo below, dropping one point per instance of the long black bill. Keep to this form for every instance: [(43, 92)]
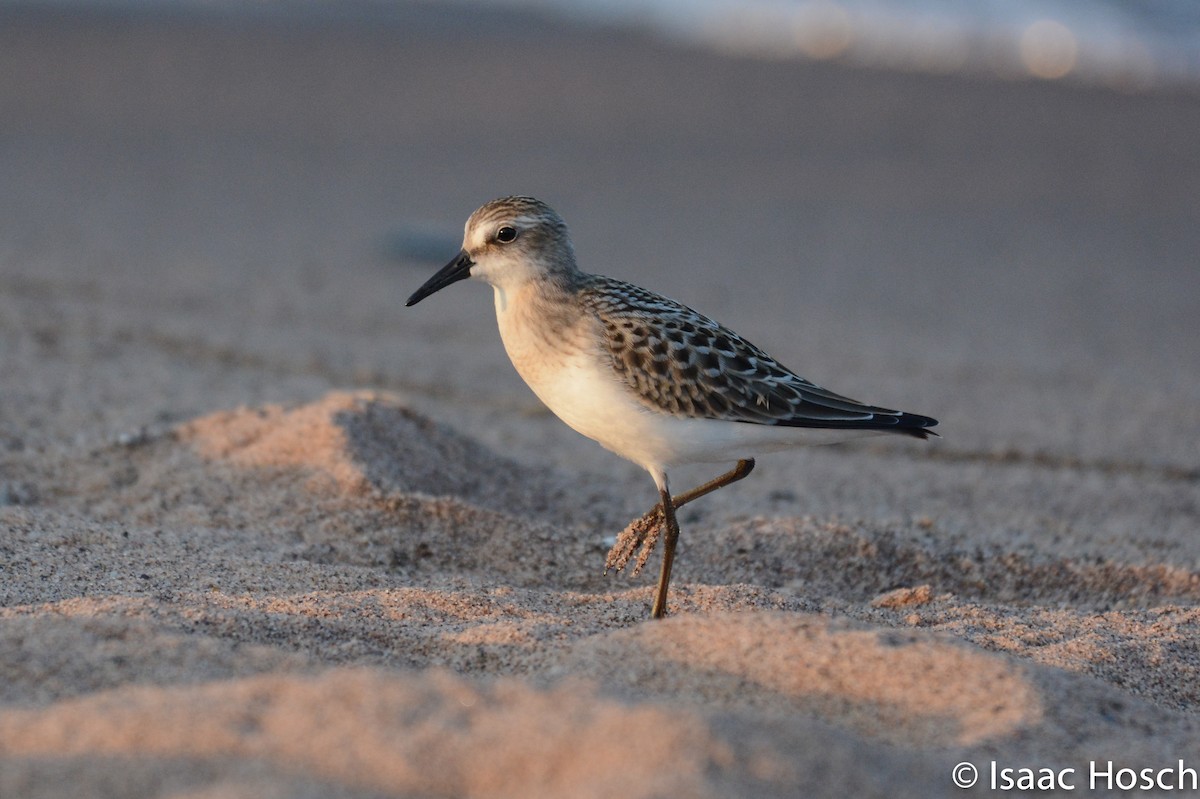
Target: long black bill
[(456, 270)]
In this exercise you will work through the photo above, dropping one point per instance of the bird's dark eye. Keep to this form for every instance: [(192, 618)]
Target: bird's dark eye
[(506, 234)]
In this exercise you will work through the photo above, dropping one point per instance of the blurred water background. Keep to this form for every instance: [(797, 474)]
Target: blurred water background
[(1126, 44)]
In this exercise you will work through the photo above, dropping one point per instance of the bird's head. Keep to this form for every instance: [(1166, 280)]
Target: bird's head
[(507, 243)]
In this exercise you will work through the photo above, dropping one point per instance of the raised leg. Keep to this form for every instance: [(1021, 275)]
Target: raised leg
[(644, 531), (738, 472)]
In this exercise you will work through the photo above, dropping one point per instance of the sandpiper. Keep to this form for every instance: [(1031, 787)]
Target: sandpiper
[(642, 375)]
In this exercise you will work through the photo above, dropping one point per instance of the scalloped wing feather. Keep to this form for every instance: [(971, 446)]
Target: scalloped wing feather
[(679, 361)]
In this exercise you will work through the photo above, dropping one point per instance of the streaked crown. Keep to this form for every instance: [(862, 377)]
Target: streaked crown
[(527, 212), (513, 239)]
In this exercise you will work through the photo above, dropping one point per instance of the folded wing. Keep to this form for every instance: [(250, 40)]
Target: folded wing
[(679, 361)]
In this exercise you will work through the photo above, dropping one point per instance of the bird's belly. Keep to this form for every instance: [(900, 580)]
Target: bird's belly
[(565, 369), (592, 403), (596, 404)]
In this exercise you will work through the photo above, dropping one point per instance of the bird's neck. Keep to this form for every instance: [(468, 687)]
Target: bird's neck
[(534, 311), (543, 293)]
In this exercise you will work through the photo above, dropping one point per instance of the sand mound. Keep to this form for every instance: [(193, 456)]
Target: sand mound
[(862, 560), (351, 478), (428, 735), (362, 443), (896, 685)]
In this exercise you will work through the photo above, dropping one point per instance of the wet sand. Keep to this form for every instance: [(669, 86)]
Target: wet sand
[(265, 532)]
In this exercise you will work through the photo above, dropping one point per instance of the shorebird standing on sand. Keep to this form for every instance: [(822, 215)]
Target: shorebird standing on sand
[(652, 380)]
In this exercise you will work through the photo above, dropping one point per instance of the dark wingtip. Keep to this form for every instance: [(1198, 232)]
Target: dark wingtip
[(917, 426)]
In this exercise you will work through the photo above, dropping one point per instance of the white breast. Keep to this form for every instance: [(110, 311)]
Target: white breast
[(567, 370)]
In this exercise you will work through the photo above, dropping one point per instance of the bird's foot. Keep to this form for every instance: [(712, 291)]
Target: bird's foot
[(642, 532)]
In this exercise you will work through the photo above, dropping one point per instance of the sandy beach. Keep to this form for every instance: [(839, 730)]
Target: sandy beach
[(264, 532)]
